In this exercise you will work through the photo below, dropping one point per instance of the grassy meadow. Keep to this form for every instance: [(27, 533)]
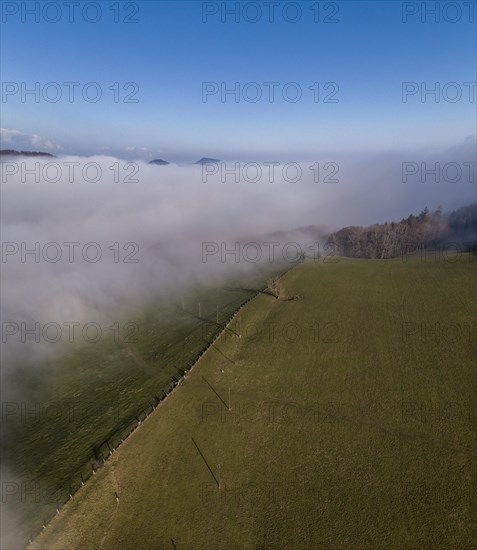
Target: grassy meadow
[(343, 419), (90, 396)]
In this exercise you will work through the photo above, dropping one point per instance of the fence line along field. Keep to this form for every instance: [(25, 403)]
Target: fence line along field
[(345, 418), (70, 413)]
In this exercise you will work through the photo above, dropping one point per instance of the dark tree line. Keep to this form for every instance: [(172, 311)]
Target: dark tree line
[(394, 239), (463, 223)]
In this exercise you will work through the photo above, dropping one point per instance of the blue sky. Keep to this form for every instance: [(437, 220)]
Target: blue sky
[(170, 52)]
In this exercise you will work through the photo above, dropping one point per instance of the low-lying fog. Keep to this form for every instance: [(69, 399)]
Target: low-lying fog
[(83, 239)]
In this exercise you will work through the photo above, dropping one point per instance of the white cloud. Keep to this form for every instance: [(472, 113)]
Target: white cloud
[(8, 134), (19, 140), (169, 212)]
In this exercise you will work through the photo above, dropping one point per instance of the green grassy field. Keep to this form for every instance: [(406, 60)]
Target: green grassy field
[(93, 392), (352, 425)]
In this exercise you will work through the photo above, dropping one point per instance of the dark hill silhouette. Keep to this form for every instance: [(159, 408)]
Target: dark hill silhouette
[(14, 153), (205, 160), (159, 162)]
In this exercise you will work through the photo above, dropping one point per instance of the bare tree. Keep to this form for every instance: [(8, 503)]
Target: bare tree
[(273, 286)]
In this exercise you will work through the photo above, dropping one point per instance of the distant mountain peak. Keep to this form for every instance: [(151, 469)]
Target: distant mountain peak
[(205, 160), (159, 162), (14, 153)]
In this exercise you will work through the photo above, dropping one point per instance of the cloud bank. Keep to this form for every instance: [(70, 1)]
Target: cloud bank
[(84, 239)]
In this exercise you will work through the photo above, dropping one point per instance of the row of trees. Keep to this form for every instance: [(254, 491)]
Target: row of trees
[(393, 239)]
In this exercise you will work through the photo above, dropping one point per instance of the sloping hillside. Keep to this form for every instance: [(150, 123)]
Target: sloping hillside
[(351, 424)]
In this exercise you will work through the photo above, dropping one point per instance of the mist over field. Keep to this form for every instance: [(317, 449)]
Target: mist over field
[(153, 228), (238, 252)]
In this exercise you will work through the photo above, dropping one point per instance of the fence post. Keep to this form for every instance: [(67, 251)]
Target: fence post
[(157, 400)]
